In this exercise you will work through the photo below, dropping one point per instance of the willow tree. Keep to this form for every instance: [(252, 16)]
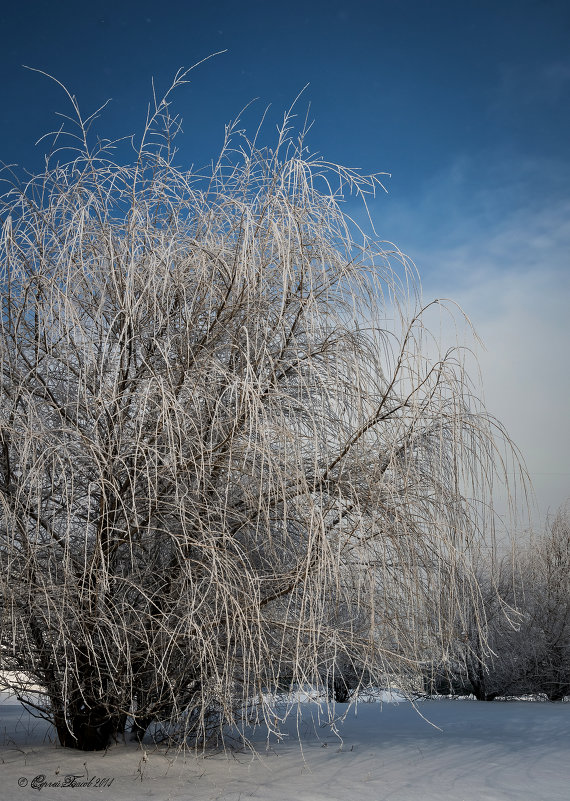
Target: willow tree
[(227, 459)]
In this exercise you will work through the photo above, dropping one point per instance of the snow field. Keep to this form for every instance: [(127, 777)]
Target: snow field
[(468, 751)]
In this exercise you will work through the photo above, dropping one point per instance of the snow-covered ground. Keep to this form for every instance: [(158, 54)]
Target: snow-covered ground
[(498, 751)]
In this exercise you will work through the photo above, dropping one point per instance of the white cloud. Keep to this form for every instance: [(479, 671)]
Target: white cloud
[(514, 284), (493, 234)]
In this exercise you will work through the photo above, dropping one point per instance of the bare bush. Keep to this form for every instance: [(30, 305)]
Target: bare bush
[(495, 646), (226, 460), (547, 607), (516, 627)]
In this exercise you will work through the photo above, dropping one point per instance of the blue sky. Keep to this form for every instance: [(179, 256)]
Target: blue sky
[(466, 104)]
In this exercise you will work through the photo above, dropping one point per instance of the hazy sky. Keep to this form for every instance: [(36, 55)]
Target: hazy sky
[(466, 104)]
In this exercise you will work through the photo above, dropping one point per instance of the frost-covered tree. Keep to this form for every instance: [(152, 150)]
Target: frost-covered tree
[(227, 459)]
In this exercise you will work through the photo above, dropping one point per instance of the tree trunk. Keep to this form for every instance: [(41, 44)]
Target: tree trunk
[(339, 690), (88, 726)]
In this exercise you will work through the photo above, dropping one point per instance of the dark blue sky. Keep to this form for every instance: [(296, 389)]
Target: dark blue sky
[(466, 103), (406, 87)]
